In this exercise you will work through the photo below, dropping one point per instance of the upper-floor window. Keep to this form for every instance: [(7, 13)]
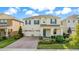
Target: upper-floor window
[(43, 21), (28, 22), (68, 21), (36, 21), (53, 21), (3, 21), (73, 21)]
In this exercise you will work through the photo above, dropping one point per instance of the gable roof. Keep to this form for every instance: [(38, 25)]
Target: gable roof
[(42, 16), (5, 16), (73, 17)]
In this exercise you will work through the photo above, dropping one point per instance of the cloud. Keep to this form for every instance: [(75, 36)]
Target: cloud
[(31, 13), (11, 11), (24, 10), (49, 12), (58, 12), (66, 10)]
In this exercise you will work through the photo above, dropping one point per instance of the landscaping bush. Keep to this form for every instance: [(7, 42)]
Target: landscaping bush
[(59, 39), (20, 32), (45, 41), (65, 35), (40, 37), (3, 38), (16, 37), (52, 37), (67, 40)]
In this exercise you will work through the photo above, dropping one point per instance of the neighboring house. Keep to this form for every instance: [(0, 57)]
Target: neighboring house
[(70, 22), (45, 26), (9, 25)]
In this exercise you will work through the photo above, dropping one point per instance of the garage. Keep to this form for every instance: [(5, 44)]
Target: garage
[(32, 32)]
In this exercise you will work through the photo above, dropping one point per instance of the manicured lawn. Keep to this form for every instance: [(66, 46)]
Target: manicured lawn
[(44, 45), (50, 46), (6, 42)]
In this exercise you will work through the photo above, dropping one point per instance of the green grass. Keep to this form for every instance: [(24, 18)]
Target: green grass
[(6, 42), (44, 45), (50, 46)]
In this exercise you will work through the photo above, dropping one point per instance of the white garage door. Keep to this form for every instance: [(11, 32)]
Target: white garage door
[(32, 33)]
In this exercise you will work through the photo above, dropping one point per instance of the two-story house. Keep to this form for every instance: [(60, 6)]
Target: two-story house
[(70, 22), (44, 25), (9, 25)]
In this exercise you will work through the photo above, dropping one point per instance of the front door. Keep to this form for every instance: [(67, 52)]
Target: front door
[(44, 32)]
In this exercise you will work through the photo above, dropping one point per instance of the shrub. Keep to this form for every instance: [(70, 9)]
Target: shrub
[(3, 38), (20, 32), (52, 37), (16, 37), (65, 35), (40, 37), (59, 39), (75, 36), (67, 40)]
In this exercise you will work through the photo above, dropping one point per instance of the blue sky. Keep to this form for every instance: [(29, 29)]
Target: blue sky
[(23, 12)]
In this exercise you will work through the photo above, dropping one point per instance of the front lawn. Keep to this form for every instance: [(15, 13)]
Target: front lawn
[(6, 42), (50, 46), (57, 46)]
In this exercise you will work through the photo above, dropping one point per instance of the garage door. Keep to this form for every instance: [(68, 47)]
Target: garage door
[(32, 33)]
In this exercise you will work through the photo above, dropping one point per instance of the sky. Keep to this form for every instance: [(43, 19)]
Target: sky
[(25, 12)]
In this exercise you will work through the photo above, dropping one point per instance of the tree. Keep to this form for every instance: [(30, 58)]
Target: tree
[(75, 36), (77, 29), (69, 31), (20, 32)]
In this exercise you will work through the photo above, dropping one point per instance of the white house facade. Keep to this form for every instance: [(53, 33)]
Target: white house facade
[(70, 22), (45, 26)]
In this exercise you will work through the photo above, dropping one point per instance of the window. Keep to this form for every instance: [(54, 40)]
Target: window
[(68, 21), (53, 21), (36, 21), (28, 22), (3, 21)]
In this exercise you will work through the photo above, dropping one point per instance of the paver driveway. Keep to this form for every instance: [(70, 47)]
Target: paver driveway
[(25, 42)]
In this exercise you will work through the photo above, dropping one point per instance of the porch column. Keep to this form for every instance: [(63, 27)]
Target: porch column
[(52, 31), (6, 30), (41, 31), (61, 31)]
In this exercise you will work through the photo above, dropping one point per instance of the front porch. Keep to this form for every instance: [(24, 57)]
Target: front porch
[(4, 32), (48, 32)]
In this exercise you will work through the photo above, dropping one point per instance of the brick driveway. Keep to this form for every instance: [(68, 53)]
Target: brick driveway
[(25, 42)]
